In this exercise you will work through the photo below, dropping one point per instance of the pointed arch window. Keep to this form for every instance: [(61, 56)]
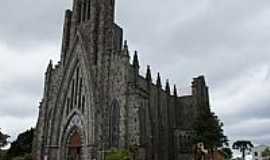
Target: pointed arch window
[(114, 124), (77, 92)]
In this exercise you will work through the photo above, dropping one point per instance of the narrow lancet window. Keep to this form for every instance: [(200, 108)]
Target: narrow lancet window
[(83, 12), (114, 124), (83, 104), (80, 94), (77, 85), (72, 94), (79, 8), (88, 9)]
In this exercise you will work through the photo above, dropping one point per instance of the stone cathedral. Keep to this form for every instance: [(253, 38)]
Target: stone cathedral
[(95, 99)]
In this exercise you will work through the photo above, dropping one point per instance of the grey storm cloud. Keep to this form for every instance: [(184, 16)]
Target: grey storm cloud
[(227, 41), (31, 22)]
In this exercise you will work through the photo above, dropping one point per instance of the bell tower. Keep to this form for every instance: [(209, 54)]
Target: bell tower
[(96, 19), (84, 9)]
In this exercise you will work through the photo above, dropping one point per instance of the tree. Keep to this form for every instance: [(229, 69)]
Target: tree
[(3, 139), (266, 152), (209, 131), (22, 146), (228, 153), (243, 146)]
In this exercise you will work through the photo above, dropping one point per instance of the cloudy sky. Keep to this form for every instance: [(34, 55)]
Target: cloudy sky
[(228, 41)]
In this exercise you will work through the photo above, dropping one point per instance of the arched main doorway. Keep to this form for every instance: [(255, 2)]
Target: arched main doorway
[(74, 147)]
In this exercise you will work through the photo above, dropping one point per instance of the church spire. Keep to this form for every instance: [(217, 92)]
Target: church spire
[(125, 45), (49, 67), (175, 91), (148, 74), (159, 81), (168, 90), (125, 49), (136, 64)]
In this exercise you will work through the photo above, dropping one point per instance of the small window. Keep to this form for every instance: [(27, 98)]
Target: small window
[(256, 154)]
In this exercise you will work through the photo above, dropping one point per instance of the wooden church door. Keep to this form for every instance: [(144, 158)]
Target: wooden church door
[(74, 147)]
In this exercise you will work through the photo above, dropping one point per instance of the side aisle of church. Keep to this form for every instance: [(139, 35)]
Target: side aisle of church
[(95, 99)]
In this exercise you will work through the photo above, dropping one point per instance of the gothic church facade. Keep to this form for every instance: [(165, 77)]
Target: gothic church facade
[(95, 99)]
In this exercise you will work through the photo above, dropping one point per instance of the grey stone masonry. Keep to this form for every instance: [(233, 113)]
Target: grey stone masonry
[(97, 96)]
